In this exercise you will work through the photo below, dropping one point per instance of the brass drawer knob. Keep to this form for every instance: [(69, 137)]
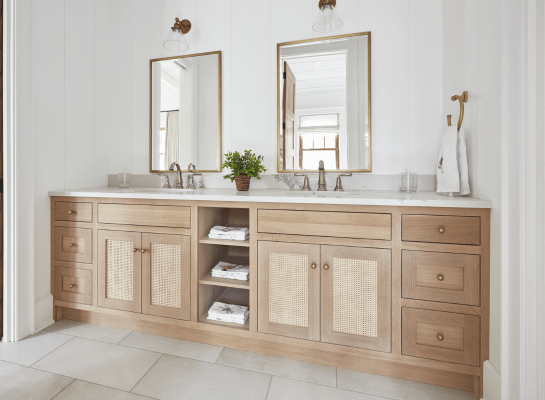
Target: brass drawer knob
[(440, 337), (326, 267), (72, 244), (313, 266), (72, 285), (440, 277), (441, 230), (143, 250), (134, 250), (71, 212)]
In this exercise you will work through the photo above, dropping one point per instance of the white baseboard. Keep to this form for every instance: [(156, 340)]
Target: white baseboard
[(44, 313), (492, 382)]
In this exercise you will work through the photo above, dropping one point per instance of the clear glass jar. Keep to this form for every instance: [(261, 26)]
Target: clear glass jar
[(124, 179), (408, 181)]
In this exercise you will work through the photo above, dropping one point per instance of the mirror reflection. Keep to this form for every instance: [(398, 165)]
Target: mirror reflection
[(186, 112), (324, 110)]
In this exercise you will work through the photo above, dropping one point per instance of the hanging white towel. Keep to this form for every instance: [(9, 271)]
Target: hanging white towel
[(452, 170)]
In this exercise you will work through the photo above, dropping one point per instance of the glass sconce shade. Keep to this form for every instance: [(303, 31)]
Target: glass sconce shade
[(175, 41), (329, 20)]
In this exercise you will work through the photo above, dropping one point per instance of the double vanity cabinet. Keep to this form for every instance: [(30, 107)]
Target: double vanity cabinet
[(396, 290)]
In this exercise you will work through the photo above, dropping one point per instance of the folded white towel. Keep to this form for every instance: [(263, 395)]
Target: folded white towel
[(231, 271), (226, 230), (228, 313), (452, 168)]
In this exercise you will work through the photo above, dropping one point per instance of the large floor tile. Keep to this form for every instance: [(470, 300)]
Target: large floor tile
[(89, 331), (32, 348), (279, 366), (23, 383), (175, 347), (289, 389), (80, 390), (397, 388), (107, 364), (174, 378)]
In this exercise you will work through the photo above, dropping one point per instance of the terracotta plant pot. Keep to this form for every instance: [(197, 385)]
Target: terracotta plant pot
[(243, 182)]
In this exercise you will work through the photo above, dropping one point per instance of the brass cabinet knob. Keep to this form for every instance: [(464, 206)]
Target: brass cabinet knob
[(441, 230), (440, 277), (134, 250), (440, 337), (143, 250), (326, 267), (72, 244), (71, 212), (313, 266), (72, 285)]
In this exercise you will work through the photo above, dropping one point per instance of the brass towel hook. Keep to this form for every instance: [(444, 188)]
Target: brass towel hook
[(463, 99)]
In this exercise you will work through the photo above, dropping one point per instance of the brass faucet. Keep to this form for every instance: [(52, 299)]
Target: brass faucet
[(339, 185), (321, 178), (179, 184), (190, 181), (306, 186)]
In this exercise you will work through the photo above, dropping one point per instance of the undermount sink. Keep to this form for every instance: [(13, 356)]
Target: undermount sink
[(300, 193), (160, 191)]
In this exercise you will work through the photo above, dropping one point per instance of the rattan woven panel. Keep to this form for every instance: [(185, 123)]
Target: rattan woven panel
[(288, 289), (119, 270), (355, 297), (166, 275)]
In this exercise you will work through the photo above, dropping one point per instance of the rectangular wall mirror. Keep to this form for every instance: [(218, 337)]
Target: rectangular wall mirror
[(324, 104), (185, 112)]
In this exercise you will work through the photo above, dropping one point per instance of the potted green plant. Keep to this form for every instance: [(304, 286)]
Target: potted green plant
[(243, 167)]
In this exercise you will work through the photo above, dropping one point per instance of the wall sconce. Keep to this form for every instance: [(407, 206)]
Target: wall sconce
[(175, 40), (329, 19)]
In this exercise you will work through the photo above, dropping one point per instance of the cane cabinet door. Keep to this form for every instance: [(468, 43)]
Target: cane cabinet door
[(166, 263), (356, 297), (289, 289), (119, 270)]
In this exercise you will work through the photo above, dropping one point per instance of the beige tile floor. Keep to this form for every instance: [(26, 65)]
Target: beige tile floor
[(75, 360)]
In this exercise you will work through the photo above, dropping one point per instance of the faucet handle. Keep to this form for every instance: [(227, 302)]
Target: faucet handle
[(167, 182), (339, 185), (306, 184)]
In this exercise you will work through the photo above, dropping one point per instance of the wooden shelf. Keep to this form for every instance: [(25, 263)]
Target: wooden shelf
[(232, 325), (224, 242), (208, 279)]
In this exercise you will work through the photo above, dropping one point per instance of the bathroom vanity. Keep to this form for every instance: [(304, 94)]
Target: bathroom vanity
[(381, 282)]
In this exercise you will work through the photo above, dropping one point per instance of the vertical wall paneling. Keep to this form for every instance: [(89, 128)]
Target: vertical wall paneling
[(79, 94), (47, 117), (389, 26), (104, 106), (251, 89), (120, 91), (426, 122), (146, 42)]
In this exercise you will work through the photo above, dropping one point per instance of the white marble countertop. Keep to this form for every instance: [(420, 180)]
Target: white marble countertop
[(359, 197)]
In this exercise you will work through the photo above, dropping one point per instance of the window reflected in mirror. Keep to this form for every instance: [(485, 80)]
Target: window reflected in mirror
[(324, 110)]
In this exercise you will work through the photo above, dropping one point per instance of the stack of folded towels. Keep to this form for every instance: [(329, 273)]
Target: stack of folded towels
[(225, 232), (231, 271), (228, 313)]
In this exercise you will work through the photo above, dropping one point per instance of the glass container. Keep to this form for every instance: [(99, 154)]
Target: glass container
[(124, 179), (408, 181)]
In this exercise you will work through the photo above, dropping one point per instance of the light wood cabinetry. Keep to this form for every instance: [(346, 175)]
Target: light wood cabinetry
[(396, 291)]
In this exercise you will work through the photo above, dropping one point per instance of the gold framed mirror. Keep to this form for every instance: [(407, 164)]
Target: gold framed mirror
[(324, 104), (186, 112)]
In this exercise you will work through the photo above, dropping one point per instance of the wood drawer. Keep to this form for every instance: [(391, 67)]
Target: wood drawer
[(75, 285), (74, 244), (326, 223), (72, 211), (443, 277), (441, 229), (441, 336), (141, 214)]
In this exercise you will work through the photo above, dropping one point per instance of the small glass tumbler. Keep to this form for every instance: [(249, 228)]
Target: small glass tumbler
[(124, 179), (408, 181)]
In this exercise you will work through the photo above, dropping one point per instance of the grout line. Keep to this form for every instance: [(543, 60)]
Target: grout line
[(57, 348), (269, 388), (156, 361), (336, 377), (219, 356), (125, 337), (58, 394)]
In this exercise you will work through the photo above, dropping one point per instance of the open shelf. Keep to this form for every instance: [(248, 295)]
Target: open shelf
[(245, 327), (224, 242), (208, 279), (229, 295)]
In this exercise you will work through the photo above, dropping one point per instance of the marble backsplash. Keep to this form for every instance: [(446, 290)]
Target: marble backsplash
[(426, 183)]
